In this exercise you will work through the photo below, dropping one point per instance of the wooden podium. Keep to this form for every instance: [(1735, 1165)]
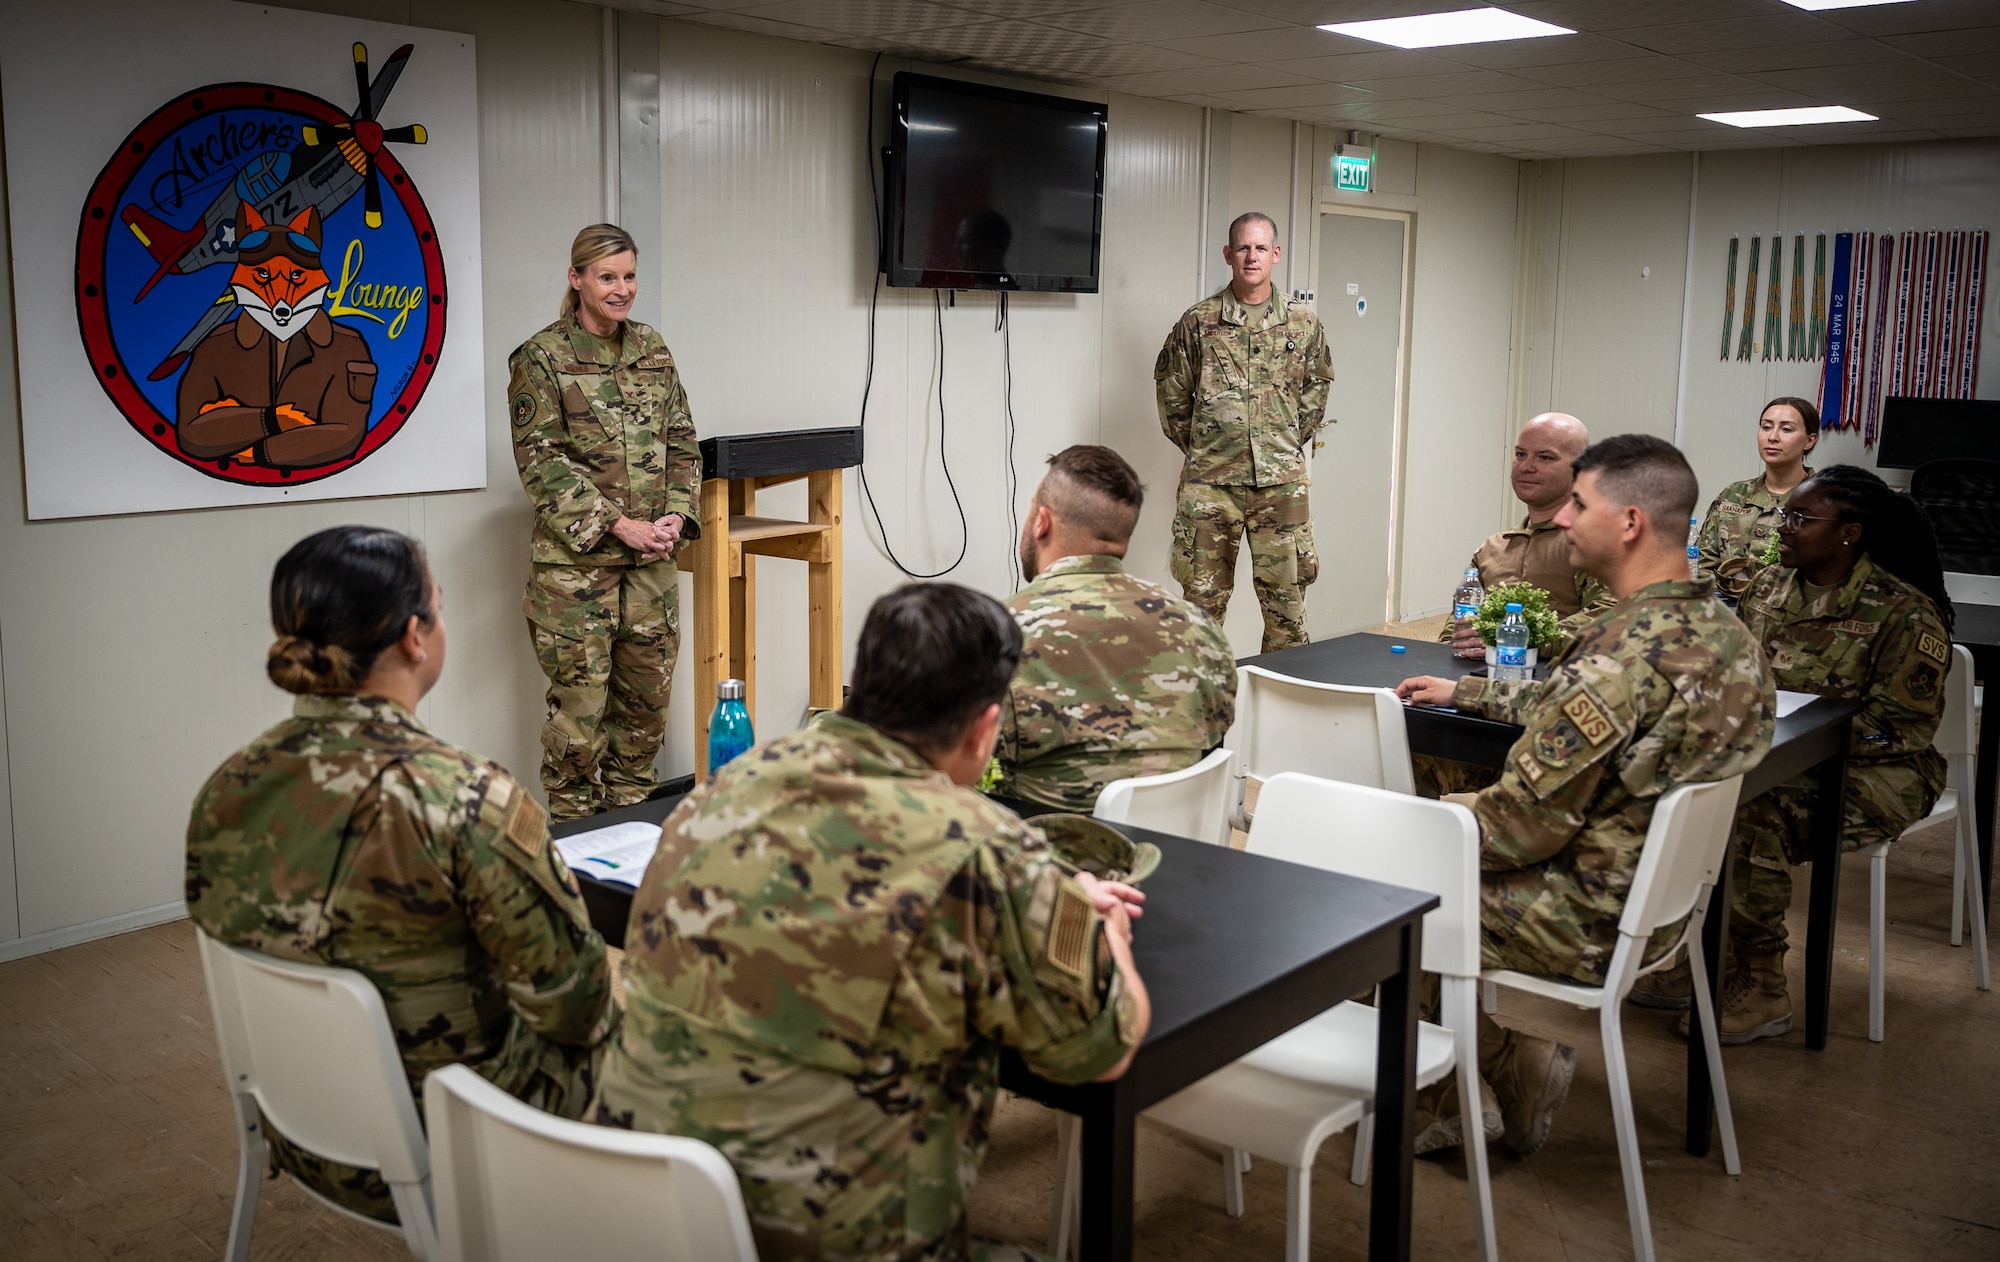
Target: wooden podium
[(723, 560)]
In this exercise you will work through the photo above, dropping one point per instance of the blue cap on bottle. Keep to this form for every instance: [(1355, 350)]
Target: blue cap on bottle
[(1397, 648), (1513, 607)]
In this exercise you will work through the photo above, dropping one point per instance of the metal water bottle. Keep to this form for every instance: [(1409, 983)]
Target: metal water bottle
[(729, 731)]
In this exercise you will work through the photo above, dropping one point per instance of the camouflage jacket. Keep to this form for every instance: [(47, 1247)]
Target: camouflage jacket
[(1876, 640), (825, 958), (350, 836), (1737, 533), (1117, 679), (1537, 552), (1666, 688), (1242, 390), (600, 430)]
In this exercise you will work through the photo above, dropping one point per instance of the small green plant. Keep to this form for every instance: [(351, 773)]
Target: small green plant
[(990, 780), (1544, 629), (1770, 553)]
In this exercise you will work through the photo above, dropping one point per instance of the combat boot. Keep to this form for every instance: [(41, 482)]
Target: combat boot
[(1755, 1004), (1530, 1078), (1438, 1117), (1671, 987)]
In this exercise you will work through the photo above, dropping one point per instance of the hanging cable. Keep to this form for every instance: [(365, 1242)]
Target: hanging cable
[(868, 380), (1005, 328)]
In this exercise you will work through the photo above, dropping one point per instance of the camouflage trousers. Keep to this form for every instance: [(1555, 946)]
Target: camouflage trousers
[(607, 639), (1773, 834), (1439, 777), (1277, 520)]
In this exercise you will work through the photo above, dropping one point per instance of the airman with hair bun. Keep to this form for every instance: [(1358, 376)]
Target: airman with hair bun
[(350, 836)]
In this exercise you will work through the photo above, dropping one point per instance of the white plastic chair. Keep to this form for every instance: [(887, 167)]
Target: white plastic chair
[(1284, 1099), (515, 1184), (1685, 848), (1956, 742), (311, 1049), (1193, 802), (1331, 731)]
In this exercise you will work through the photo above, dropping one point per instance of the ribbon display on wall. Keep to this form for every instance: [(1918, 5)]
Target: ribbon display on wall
[(1896, 315), (1816, 322), (1749, 334), (1774, 328), (1795, 332), (1729, 298), (1834, 380)]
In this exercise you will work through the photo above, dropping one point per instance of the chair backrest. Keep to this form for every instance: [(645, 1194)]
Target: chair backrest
[(1395, 838), (313, 1046), (515, 1183), (1960, 496), (1326, 730), (1684, 851), (1955, 733), (1193, 802)]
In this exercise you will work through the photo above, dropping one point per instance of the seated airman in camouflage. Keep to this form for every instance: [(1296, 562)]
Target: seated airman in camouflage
[(350, 836), (838, 936), (1665, 689), (1855, 609), (1118, 677)]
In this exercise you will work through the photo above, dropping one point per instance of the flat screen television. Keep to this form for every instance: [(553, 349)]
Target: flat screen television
[(989, 188), (1918, 431)]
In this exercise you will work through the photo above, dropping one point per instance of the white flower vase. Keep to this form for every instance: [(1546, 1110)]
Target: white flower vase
[(1492, 658)]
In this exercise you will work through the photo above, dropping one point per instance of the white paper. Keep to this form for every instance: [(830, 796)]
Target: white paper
[(1790, 701), (618, 854)]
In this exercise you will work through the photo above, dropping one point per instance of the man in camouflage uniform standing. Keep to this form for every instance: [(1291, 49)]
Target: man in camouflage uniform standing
[(838, 936), (1665, 689), (1242, 383), (1118, 678), (606, 449)]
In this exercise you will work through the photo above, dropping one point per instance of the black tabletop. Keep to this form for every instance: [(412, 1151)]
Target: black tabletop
[(1218, 923)]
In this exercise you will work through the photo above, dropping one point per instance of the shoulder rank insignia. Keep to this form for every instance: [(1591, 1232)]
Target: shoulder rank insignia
[(1590, 719), (1932, 647), (1069, 931), (527, 827)]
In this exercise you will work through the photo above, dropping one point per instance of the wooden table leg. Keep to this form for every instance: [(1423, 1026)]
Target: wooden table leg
[(711, 612), (1828, 808), (1110, 1146), (823, 595), (1395, 1106)]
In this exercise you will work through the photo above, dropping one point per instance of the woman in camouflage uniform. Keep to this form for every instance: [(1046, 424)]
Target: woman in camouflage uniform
[(607, 453), (1736, 535), (349, 836), (1856, 609)]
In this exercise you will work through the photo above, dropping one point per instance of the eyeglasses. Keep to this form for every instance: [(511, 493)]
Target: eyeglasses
[(1791, 520)]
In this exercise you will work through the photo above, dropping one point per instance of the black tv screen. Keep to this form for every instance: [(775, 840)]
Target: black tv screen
[(989, 188), (1918, 431)]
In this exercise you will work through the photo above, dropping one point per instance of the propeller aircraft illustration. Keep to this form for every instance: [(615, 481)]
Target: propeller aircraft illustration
[(329, 167)]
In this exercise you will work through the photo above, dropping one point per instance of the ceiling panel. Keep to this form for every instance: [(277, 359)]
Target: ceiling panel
[(1630, 81)]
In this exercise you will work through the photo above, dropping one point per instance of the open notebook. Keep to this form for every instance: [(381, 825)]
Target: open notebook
[(618, 853), (1790, 701)]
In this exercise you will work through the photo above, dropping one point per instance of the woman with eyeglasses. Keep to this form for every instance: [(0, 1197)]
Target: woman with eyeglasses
[(1856, 610), (1737, 534), (607, 453)]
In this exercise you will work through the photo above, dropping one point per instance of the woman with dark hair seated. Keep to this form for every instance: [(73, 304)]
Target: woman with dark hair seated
[(1736, 535), (351, 837), (1856, 609)]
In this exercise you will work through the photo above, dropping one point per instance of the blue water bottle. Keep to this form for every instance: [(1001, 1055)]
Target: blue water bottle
[(1510, 647), (729, 727), (1694, 547)]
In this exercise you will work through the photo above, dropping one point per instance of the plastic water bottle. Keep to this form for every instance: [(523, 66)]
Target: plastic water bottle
[(729, 731), (1694, 548), (1510, 647), (1470, 595)]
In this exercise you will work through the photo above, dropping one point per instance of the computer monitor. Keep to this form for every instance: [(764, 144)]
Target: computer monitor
[(1918, 431)]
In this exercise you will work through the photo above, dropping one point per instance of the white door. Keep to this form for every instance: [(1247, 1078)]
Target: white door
[(1360, 286)]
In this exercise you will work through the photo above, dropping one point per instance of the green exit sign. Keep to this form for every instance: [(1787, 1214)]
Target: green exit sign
[(1350, 172)]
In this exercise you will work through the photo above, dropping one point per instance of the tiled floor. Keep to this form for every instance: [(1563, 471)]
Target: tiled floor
[(116, 1138)]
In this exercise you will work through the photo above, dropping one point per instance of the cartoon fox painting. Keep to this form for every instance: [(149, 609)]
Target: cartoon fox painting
[(257, 391)]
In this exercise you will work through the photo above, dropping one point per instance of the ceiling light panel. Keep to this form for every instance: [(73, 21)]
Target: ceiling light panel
[(1443, 30), (1791, 118), (1816, 6)]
